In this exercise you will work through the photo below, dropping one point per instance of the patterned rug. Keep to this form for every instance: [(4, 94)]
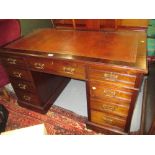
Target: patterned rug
[(58, 121)]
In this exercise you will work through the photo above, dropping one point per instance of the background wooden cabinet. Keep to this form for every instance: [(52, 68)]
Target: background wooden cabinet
[(100, 24), (86, 24)]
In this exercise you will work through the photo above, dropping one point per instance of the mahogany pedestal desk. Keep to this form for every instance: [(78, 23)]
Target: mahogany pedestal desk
[(112, 63)]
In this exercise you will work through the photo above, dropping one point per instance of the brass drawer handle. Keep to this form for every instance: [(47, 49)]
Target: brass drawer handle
[(107, 120), (22, 86), (17, 74), (11, 61), (69, 70), (109, 92), (39, 65), (110, 76), (108, 107), (27, 98)]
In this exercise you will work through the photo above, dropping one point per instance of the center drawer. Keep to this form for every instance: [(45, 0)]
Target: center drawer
[(59, 67)]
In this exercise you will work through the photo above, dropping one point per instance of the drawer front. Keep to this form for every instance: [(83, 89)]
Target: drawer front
[(13, 61), (107, 120), (22, 85), (41, 64), (109, 107), (28, 97), (19, 73), (71, 69), (122, 79), (64, 68), (104, 90)]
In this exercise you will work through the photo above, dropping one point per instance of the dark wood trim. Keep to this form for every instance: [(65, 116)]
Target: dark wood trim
[(57, 92), (132, 27), (151, 130), (132, 104), (104, 129), (48, 104), (88, 95), (139, 80), (31, 107), (88, 60)]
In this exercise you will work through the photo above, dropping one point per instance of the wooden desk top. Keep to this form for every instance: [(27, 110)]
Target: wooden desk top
[(127, 47)]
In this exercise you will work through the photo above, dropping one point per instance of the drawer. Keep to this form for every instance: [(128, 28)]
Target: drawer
[(40, 64), (19, 73), (71, 69), (105, 90), (112, 68), (13, 61), (109, 107), (64, 68), (28, 97), (22, 85), (122, 79), (107, 120)]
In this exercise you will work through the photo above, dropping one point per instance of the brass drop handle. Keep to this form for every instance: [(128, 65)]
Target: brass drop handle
[(110, 76), (108, 107), (69, 70), (17, 74), (109, 92), (27, 98), (22, 86), (39, 65), (107, 120), (11, 61)]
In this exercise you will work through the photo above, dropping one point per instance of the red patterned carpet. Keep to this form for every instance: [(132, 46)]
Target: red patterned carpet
[(58, 121)]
